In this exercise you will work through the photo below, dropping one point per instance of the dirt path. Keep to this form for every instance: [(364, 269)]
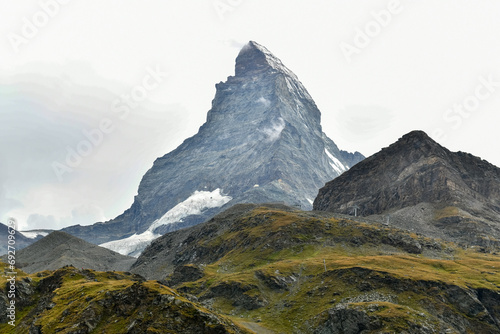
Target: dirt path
[(256, 328)]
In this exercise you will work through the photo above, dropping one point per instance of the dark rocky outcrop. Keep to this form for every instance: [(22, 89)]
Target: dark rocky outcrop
[(423, 187), (347, 321), (187, 273), (238, 294)]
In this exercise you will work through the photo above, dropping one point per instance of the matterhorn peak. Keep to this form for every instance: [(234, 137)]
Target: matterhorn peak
[(262, 142), (255, 58), (272, 91)]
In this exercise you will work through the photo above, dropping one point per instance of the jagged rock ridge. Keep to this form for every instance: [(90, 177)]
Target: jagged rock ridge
[(262, 142), (417, 184)]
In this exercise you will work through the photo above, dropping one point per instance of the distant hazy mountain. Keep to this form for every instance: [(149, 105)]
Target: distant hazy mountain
[(421, 186), (21, 240), (262, 142), (60, 249)]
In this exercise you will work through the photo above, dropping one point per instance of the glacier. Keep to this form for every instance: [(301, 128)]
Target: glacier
[(335, 163), (195, 204), (34, 234)]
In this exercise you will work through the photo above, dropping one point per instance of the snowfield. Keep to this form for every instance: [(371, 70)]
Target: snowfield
[(335, 163), (195, 204), (132, 245), (198, 202), (34, 234)]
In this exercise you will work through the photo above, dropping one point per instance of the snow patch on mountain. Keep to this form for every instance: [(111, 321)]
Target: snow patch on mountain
[(335, 163), (132, 245), (195, 204), (264, 101), (198, 202), (34, 234), (274, 131)]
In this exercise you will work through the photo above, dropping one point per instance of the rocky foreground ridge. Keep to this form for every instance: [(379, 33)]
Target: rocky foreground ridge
[(76, 301)]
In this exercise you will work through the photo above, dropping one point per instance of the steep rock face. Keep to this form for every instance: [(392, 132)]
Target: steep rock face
[(262, 142), (423, 186)]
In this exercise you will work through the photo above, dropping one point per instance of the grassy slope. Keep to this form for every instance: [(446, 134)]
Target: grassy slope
[(277, 264), (111, 302), (310, 290)]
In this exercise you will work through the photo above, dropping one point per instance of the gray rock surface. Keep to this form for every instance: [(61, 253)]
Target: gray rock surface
[(262, 142), (421, 186), (60, 249)]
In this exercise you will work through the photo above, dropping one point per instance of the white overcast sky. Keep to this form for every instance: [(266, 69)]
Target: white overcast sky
[(414, 71)]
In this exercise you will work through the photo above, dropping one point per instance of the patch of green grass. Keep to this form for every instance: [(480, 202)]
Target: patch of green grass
[(295, 247), (449, 211), (313, 291)]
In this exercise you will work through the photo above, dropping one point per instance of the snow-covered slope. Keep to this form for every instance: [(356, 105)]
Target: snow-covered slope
[(33, 234), (133, 245), (198, 202), (335, 163)]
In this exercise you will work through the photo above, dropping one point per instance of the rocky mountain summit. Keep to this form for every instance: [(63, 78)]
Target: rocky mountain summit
[(419, 185), (262, 142)]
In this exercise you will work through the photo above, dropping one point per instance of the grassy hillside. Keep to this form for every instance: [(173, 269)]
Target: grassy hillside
[(274, 270), (71, 300), (299, 272)]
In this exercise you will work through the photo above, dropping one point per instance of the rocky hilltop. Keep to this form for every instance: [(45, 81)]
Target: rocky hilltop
[(262, 142), (60, 249), (419, 185)]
